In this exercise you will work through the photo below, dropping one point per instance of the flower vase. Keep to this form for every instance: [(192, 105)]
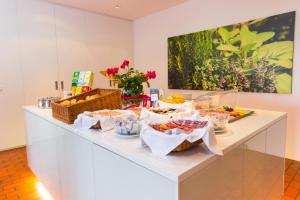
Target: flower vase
[(130, 100)]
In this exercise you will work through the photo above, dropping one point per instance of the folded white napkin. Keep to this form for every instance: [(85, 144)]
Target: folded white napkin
[(162, 144), (85, 121)]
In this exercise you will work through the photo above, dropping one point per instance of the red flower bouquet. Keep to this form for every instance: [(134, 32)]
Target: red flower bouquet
[(130, 81)]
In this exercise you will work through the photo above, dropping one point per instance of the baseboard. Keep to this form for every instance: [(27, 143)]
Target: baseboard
[(11, 148)]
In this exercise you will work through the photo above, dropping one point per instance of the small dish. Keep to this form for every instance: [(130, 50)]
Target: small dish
[(128, 136), (127, 127), (220, 121), (220, 130)]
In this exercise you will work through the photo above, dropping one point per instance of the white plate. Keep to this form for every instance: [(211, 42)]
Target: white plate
[(127, 136), (220, 131), (227, 133)]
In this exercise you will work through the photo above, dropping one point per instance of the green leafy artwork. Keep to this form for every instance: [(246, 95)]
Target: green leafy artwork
[(253, 56)]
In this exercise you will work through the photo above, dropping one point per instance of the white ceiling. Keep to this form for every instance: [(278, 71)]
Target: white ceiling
[(129, 9)]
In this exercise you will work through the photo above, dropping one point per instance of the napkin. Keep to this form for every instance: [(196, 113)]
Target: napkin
[(162, 144), (85, 121)]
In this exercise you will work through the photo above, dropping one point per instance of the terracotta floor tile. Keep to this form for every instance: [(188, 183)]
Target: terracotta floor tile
[(16, 179), (12, 195), (32, 195), (295, 184), (288, 177), (287, 198), (288, 161), (295, 165), (291, 172), (291, 192), (297, 177)]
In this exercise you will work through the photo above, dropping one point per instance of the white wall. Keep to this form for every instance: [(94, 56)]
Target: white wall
[(38, 53), (57, 40), (150, 48), (42, 42), (11, 98)]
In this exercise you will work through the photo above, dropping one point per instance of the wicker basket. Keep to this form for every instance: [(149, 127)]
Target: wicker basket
[(110, 99), (187, 145)]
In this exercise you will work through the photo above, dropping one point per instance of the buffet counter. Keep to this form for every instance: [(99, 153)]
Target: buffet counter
[(75, 164)]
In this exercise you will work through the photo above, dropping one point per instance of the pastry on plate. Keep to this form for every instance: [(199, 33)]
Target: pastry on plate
[(108, 113)]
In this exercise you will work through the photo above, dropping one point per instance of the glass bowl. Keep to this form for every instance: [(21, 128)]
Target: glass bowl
[(219, 120)]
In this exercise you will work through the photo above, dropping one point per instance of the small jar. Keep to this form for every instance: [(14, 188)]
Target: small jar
[(154, 96), (41, 102)]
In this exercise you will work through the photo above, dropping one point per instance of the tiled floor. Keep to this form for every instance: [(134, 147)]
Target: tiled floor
[(292, 180), (17, 182)]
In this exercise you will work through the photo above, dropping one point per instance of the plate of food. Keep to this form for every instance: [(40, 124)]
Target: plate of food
[(220, 130), (234, 113), (127, 127), (183, 125), (163, 111), (165, 114), (175, 99)]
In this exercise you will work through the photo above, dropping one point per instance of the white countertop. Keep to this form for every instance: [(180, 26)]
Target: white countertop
[(176, 166)]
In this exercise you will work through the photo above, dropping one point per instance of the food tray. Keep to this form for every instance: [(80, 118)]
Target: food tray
[(247, 113), (232, 118), (109, 99)]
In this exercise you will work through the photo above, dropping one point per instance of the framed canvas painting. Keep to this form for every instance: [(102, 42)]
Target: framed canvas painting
[(252, 56)]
